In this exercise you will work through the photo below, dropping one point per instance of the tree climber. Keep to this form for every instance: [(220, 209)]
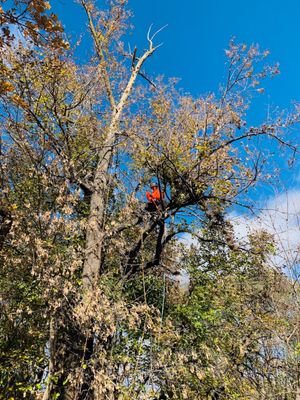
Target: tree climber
[(154, 198)]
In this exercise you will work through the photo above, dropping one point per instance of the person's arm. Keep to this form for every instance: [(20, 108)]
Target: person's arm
[(149, 197)]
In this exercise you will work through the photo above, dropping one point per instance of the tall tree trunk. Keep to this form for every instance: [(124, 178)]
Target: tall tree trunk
[(95, 228), (95, 232)]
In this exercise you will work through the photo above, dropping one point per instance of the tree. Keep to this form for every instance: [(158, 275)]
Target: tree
[(30, 18), (232, 325), (79, 145)]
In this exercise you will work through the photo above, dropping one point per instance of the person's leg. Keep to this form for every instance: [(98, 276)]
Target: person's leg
[(150, 207)]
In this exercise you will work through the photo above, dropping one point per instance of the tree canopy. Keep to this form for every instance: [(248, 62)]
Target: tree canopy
[(91, 303)]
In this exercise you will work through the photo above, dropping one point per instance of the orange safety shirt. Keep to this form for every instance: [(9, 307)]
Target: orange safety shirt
[(154, 196)]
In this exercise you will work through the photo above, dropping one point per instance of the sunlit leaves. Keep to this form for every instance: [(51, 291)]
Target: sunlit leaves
[(32, 20)]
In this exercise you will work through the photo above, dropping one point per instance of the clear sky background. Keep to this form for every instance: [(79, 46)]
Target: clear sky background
[(198, 32)]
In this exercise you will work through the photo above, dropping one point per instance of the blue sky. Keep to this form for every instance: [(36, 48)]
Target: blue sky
[(194, 42)]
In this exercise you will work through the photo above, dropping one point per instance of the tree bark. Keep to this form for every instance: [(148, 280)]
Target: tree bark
[(95, 231), (52, 351), (95, 228)]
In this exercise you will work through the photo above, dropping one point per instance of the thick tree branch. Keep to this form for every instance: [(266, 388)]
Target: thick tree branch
[(95, 230)]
